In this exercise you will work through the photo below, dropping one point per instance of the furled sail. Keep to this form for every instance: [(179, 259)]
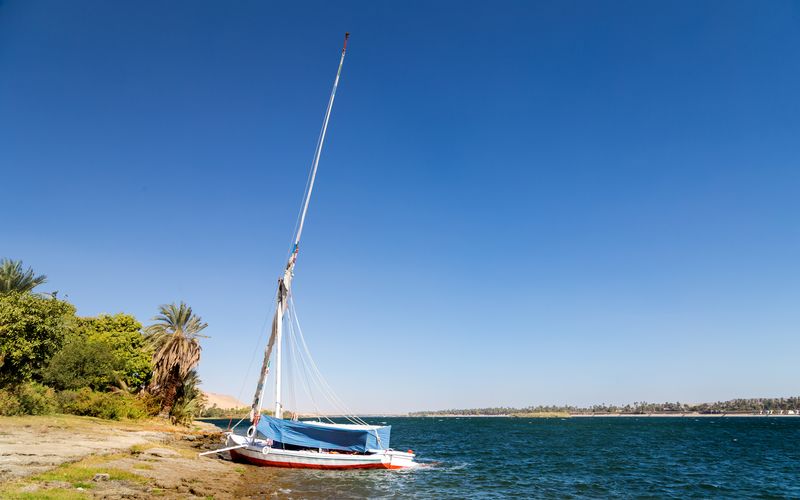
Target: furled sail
[(358, 438), (284, 285)]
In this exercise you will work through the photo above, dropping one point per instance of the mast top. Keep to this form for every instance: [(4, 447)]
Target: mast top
[(317, 153)]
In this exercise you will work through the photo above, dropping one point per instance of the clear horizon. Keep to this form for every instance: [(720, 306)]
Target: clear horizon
[(518, 203)]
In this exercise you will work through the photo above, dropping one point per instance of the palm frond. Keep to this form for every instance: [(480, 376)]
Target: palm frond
[(190, 400), (14, 279)]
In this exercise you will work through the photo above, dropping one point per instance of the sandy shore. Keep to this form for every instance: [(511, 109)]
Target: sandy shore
[(79, 457)]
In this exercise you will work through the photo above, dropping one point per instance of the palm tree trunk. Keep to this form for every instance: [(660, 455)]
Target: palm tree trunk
[(170, 391)]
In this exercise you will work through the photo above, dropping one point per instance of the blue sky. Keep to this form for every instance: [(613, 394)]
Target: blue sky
[(519, 203)]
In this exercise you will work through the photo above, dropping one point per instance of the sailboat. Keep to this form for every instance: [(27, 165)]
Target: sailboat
[(278, 442)]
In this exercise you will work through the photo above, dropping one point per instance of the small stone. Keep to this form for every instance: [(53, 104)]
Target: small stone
[(190, 438), (101, 477)]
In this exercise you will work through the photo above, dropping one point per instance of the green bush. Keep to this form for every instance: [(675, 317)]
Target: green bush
[(36, 399), (81, 363), (104, 352), (108, 405), (29, 398), (9, 403)]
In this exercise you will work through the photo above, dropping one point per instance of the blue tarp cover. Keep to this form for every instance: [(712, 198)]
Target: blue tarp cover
[(328, 438)]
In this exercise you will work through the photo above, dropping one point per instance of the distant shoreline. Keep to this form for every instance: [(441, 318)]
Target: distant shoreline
[(545, 415), (680, 415), (614, 415)]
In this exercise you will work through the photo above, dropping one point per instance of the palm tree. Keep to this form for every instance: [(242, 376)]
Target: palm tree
[(14, 279), (175, 337)]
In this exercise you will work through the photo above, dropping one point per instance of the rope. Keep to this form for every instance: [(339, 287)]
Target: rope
[(327, 391), (250, 364), (305, 372), (296, 236)]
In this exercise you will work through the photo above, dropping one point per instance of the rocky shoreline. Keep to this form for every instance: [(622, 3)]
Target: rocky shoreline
[(81, 457)]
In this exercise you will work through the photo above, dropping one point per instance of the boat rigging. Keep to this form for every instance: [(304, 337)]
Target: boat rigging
[(274, 441)]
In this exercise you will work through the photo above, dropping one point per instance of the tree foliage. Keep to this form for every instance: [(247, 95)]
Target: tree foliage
[(81, 363), (14, 279), (122, 334), (105, 351), (32, 329), (99, 365)]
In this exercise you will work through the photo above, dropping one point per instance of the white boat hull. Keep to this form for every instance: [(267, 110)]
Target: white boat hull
[(257, 452)]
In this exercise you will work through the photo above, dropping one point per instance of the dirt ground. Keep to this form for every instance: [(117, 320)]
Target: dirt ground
[(68, 457)]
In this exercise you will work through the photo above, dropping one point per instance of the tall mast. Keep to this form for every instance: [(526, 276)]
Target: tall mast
[(284, 283), (318, 152)]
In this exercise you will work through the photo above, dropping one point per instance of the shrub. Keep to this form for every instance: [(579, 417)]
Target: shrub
[(36, 399), (150, 402), (27, 399), (80, 363), (9, 403), (109, 405), (189, 401)]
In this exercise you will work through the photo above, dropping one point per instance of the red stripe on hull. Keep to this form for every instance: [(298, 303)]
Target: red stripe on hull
[(238, 457)]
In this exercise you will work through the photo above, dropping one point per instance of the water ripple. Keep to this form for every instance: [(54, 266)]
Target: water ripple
[(565, 458)]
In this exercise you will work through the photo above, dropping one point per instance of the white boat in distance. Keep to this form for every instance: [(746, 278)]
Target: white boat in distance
[(277, 442)]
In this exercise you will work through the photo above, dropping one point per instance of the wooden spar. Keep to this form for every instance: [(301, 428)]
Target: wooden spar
[(318, 152), (284, 283), (229, 448)]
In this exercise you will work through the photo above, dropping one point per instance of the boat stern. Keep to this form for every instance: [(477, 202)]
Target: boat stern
[(400, 459)]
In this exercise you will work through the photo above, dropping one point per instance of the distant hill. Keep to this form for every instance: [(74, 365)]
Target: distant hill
[(222, 401)]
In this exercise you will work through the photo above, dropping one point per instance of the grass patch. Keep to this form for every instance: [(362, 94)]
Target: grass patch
[(75, 474), (143, 466), (54, 494), (96, 459), (141, 448), (78, 474)]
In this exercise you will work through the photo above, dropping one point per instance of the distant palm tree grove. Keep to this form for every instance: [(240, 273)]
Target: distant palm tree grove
[(755, 406)]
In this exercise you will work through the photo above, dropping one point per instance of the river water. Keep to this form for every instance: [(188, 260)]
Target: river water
[(757, 457)]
